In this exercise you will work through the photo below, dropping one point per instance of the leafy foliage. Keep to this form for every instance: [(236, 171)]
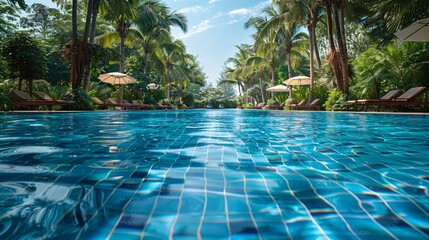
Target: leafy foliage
[(391, 67), (24, 57), (336, 101)]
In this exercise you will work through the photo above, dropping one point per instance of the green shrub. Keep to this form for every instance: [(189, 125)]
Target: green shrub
[(5, 100), (149, 100), (200, 104), (239, 101), (82, 100), (188, 99), (336, 101), (248, 105), (228, 103), (288, 102), (272, 102)]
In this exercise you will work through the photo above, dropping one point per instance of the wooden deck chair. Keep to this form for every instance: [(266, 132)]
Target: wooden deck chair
[(44, 96), (23, 99), (392, 94)]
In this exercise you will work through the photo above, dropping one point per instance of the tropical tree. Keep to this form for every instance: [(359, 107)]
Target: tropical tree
[(238, 73), (167, 58), (77, 51), (147, 33), (266, 50), (120, 13), (227, 79), (395, 14), (20, 3), (40, 19), (24, 58), (8, 15), (300, 11), (227, 89), (338, 12), (288, 38)]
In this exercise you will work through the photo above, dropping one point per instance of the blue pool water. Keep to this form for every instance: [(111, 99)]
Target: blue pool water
[(216, 174)]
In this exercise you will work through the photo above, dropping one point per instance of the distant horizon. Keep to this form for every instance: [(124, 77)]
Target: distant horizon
[(215, 27)]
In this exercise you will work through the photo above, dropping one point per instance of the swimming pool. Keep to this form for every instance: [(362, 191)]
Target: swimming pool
[(214, 174)]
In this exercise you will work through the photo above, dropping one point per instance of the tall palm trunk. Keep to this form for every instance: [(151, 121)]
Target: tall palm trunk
[(96, 6), (334, 58), (122, 28), (74, 71), (273, 75), (341, 46), (89, 13), (316, 51), (167, 81), (311, 35), (261, 86), (145, 61), (289, 68), (239, 88), (74, 19)]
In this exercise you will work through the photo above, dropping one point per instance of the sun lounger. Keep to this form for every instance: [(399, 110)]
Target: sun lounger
[(364, 102), (23, 99), (99, 103), (293, 105), (407, 99), (46, 97), (314, 105), (119, 106), (163, 106), (275, 107), (139, 105), (259, 106), (127, 105)]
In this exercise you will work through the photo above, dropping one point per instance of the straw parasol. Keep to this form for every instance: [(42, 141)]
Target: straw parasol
[(416, 32), (278, 88), (298, 80), (116, 78)]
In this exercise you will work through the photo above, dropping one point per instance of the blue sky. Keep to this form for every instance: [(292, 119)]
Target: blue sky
[(215, 27)]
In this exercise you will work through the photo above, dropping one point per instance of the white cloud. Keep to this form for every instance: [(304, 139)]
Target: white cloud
[(194, 9), (262, 5), (240, 12), (201, 27), (213, 1), (217, 15)]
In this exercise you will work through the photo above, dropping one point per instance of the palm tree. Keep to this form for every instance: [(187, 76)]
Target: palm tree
[(288, 37), (78, 52), (121, 13), (338, 10), (304, 10), (333, 55), (168, 57), (398, 14), (238, 71), (148, 33), (265, 45), (257, 65)]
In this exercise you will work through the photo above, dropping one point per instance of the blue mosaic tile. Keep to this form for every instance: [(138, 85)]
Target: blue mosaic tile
[(214, 175)]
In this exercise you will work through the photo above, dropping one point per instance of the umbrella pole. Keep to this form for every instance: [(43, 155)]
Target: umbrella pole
[(290, 92), (121, 93)]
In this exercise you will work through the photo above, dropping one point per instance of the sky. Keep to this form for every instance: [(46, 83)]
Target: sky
[(215, 27)]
